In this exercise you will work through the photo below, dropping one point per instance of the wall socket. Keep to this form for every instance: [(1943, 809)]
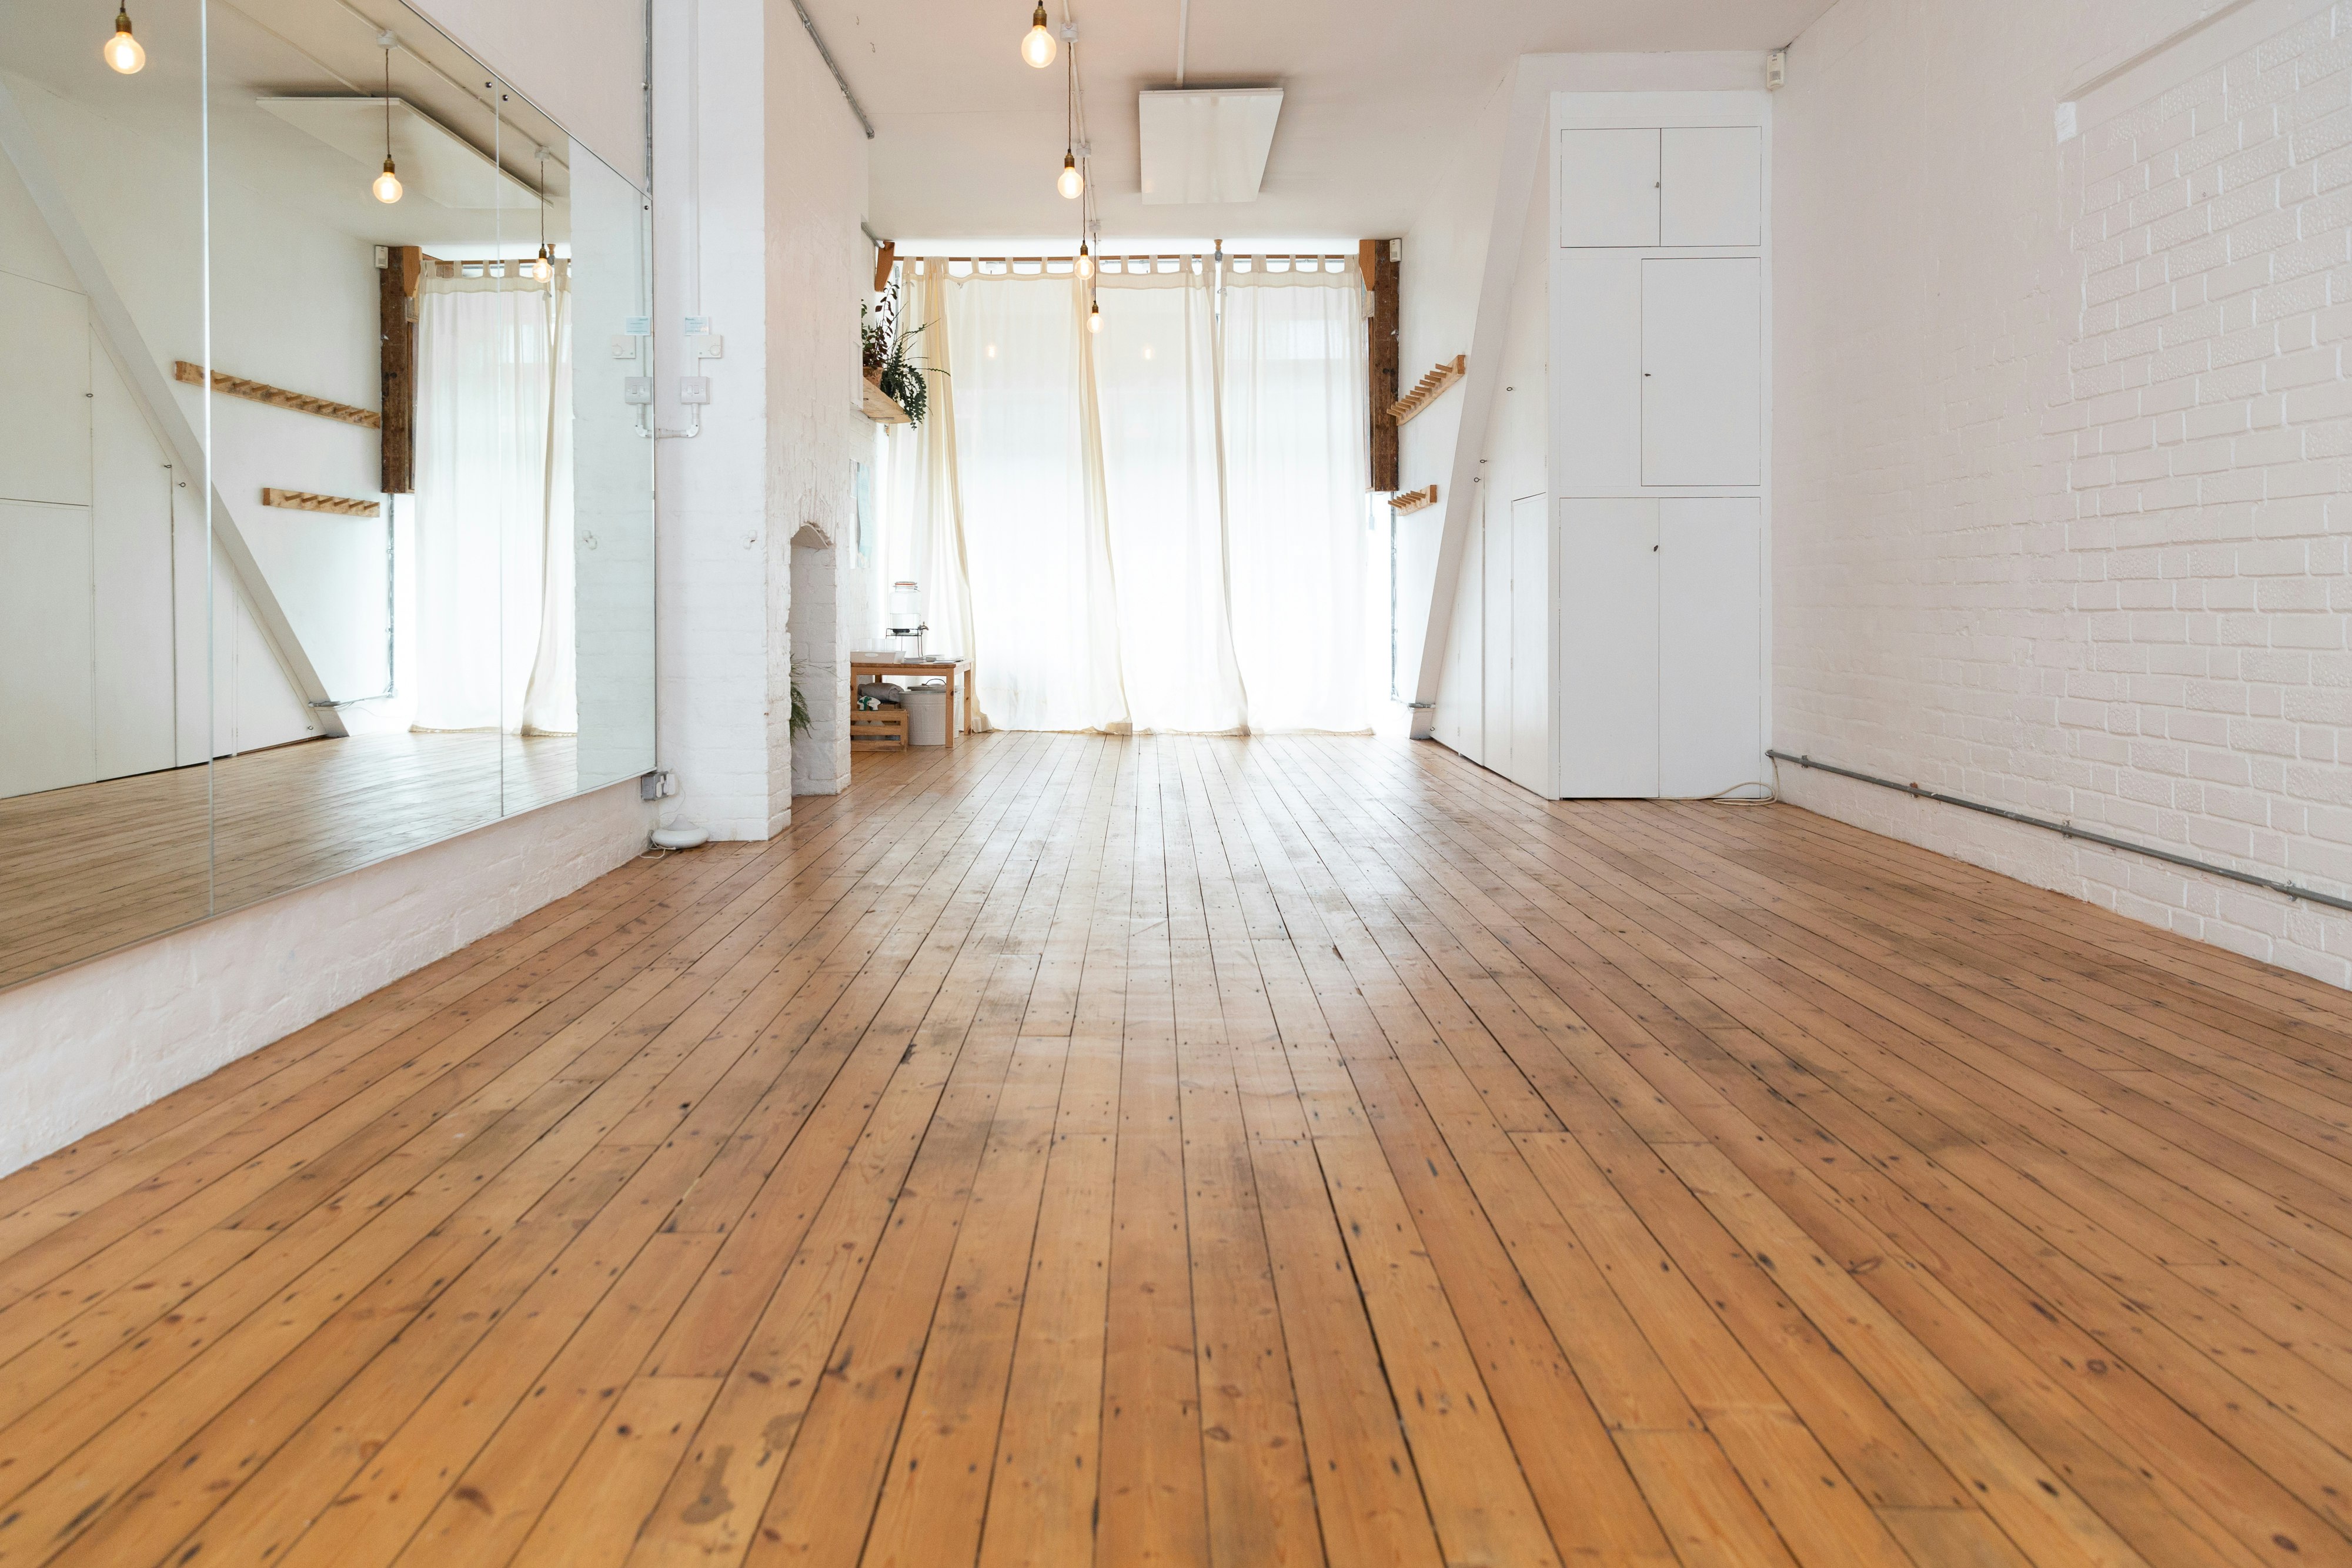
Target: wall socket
[(658, 785), (694, 388)]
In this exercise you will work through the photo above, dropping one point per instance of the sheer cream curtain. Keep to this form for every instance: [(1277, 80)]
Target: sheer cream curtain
[(921, 534), (1156, 380), (1029, 479), (1297, 523), (1162, 525), (493, 648)]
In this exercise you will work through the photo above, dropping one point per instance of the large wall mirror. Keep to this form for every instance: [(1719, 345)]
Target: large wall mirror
[(326, 468)]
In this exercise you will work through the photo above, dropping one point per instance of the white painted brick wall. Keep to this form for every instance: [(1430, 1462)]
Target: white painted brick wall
[(2061, 438)]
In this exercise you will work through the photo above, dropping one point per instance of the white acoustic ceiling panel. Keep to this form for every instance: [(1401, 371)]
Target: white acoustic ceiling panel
[(1205, 144), (434, 163)]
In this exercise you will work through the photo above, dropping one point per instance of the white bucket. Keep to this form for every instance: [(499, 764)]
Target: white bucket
[(927, 716)]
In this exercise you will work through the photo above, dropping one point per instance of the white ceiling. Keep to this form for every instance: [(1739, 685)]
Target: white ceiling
[(1378, 92)]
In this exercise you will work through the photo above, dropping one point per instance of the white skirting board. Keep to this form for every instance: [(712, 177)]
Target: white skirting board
[(87, 1045)]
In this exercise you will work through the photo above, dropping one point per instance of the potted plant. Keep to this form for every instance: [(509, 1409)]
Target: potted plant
[(893, 374)]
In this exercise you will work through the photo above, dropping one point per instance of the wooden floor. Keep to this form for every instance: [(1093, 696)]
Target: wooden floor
[(1070, 1150), (85, 869)]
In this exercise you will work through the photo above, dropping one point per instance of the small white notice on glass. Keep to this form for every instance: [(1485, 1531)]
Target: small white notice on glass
[(696, 326), (638, 326)]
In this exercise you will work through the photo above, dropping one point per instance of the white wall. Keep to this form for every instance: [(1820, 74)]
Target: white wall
[(820, 268), (2060, 442), (85, 1045), (582, 61)]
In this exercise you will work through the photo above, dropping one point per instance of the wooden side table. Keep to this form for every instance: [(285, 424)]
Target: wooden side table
[(957, 677)]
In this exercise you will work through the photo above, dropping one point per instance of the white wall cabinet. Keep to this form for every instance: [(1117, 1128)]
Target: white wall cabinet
[(1711, 185), (89, 674), (1658, 342), (1661, 646), (1702, 370), (1608, 186)]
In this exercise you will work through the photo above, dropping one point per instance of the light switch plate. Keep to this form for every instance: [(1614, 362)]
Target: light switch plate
[(694, 388), (624, 347), (707, 346)]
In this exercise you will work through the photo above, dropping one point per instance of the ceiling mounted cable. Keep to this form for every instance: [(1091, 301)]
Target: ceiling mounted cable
[(838, 80)]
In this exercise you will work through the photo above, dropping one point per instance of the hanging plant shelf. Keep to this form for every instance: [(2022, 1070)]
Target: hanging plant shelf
[(881, 407)]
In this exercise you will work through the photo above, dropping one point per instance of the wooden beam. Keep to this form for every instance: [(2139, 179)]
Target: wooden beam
[(396, 350), (1425, 391), (310, 501), (1381, 274), (886, 256), (276, 397), (1414, 500)]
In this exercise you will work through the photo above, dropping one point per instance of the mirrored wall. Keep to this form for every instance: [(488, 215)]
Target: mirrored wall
[(326, 471)]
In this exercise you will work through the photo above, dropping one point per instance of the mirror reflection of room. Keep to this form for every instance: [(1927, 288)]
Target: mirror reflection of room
[(295, 572)]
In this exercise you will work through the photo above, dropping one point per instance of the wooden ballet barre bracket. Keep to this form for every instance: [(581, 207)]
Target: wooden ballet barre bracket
[(277, 397), (1426, 390), (309, 501)]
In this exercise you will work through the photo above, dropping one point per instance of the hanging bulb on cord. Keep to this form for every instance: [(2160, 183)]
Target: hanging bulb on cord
[(1085, 262), (1094, 316), (1070, 181), (123, 53), (386, 185), (1037, 45), (544, 267)]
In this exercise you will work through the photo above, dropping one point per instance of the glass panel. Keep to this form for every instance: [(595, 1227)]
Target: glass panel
[(578, 518), (608, 232), (337, 747), (392, 575), (105, 567)]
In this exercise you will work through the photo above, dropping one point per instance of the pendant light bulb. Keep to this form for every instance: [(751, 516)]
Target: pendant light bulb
[(1037, 45), (543, 267), (122, 51), (1070, 181), (1085, 262), (1094, 316), (386, 185)]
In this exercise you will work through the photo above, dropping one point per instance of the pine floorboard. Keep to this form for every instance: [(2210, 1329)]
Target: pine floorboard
[(1073, 1150)]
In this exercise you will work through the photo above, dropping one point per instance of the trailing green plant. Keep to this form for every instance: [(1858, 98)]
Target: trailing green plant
[(898, 378), (799, 719)]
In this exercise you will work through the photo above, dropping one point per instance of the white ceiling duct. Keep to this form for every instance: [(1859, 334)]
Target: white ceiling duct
[(1205, 144), (434, 163)]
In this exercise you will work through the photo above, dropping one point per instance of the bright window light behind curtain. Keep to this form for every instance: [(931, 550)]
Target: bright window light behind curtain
[(1030, 482), (1119, 573), (1293, 395), (494, 581), (1156, 373)]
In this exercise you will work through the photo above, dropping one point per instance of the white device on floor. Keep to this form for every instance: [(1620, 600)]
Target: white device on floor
[(680, 838)]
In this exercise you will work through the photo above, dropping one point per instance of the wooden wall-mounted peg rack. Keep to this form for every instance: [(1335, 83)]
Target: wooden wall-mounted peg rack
[(1426, 390)]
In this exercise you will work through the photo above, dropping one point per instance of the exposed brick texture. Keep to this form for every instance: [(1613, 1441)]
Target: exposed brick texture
[(2061, 445)]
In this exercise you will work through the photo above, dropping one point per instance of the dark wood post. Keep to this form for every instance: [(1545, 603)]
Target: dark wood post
[(397, 312), (1381, 341)]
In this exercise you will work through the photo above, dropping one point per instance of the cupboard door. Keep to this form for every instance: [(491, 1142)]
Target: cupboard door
[(130, 546), (1607, 188), (1710, 645), (1702, 371), (1531, 643), (1608, 708), (1596, 364), (1496, 635), (44, 645), (1711, 186)]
